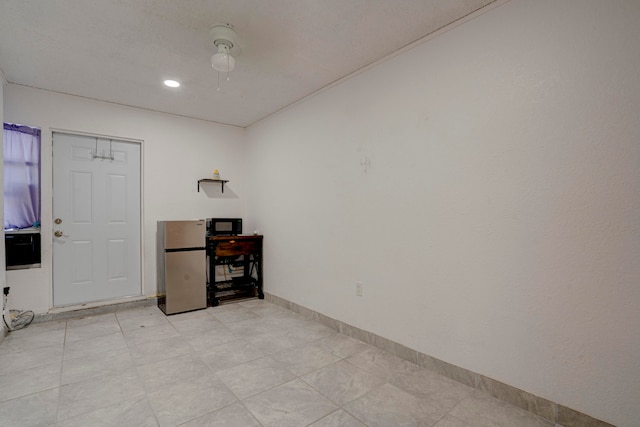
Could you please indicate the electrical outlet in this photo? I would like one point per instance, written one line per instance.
(359, 287)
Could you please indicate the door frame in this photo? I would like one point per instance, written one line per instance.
(49, 221)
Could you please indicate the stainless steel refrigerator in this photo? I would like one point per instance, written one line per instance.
(182, 266)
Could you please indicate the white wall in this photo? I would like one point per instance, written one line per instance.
(497, 225)
(176, 153)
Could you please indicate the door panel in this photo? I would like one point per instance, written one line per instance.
(82, 267)
(82, 184)
(96, 245)
(117, 259)
(117, 199)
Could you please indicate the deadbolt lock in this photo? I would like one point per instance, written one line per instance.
(58, 221)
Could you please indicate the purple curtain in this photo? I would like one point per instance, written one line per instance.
(21, 176)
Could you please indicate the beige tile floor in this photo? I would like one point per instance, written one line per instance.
(245, 364)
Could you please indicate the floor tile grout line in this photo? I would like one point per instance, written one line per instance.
(238, 400)
(29, 394)
(64, 347)
(373, 389)
(296, 377)
(339, 406)
(142, 383)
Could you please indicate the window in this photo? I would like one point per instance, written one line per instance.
(21, 176)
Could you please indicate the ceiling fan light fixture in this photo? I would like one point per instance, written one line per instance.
(224, 38)
(222, 60)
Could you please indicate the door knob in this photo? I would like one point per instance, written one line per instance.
(58, 233)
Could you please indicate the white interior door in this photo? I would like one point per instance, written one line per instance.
(96, 211)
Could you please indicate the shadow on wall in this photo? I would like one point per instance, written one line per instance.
(214, 190)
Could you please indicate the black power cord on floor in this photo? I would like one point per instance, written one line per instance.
(19, 319)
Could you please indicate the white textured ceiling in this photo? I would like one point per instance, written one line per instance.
(121, 50)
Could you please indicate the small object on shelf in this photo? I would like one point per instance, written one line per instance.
(221, 181)
(216, 174)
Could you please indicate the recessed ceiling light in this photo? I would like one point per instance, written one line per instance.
(171, 83)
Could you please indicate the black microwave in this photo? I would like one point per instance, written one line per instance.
(224, 226)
